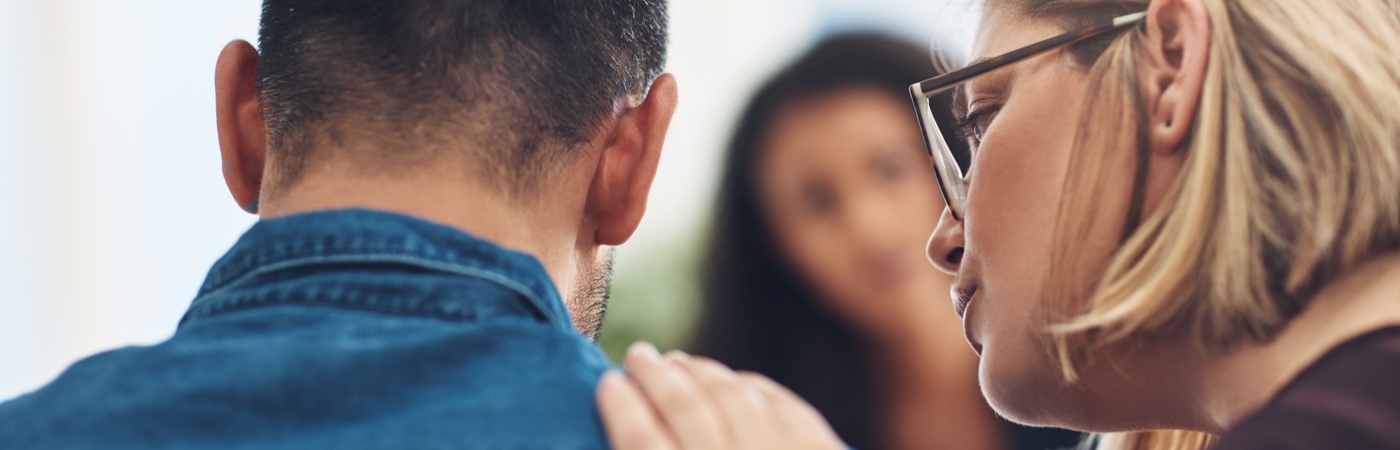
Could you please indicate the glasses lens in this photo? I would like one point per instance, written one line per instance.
(937, 119)
(942, 108)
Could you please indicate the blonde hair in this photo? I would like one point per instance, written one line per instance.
(1291, 177)
(1155, 440)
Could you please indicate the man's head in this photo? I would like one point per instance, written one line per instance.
(516, 85)
(536, 124)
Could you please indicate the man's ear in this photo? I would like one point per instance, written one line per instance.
(617, 197)
(242, 131)
(1174, 69)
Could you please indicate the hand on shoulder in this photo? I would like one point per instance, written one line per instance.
(679, 401)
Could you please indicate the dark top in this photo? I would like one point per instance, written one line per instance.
(1022, 437)
(340, 330)
(1349, 399)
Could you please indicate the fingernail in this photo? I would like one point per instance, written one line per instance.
(675, 362)
(756, 398)
(611, 380)
(643, 350)
(678, 359)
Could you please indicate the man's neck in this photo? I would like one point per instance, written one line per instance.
(1244, 381)
(541, 229)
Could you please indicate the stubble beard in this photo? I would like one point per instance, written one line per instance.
(588, 303)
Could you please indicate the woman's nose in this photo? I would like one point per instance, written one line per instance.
(945, 247)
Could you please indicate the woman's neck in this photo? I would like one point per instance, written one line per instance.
(1244, 381)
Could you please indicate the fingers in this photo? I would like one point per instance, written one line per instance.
(693, 403)
(628, 418)
(796, 416)
(742, 404)
(678, 399)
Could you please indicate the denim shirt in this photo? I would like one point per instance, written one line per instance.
(340, 330)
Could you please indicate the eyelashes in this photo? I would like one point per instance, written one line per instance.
(973, 126)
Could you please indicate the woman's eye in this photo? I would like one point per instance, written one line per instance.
(974, 126)
(979, 127)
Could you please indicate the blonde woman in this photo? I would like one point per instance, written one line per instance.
(1179, 215)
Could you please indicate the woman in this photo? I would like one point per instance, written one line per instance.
(815, 274)
(1189, 221)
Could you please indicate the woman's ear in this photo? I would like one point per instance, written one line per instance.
(1173, 69)
(242, 131)
(617, 196)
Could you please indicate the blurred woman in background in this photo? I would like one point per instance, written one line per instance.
(815, 274)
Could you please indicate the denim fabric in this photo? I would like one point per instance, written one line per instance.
(340, 330)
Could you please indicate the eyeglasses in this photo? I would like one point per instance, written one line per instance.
(951, 178)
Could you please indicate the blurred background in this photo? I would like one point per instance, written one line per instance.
(114, 206)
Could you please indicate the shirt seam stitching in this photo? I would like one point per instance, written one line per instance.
(490, 276)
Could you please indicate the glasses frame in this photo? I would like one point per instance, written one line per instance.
(950, 176)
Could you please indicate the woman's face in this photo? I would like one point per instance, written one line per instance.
(1001, 252)
(845, 184)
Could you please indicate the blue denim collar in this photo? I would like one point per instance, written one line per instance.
(325, 239)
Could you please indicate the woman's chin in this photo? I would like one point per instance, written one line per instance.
(1033, 398)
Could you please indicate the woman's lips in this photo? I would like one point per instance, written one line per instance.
(962, 299)
(976, 346)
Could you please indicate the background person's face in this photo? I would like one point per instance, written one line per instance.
(846, 187)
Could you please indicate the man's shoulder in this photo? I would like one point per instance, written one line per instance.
(338, 380)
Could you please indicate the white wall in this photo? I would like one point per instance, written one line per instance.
(112, 205)
(110, 189)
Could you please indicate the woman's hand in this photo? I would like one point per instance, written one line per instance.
(683, 402)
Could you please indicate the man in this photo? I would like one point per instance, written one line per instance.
(430, 175)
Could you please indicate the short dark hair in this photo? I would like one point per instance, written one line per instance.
(518, 83)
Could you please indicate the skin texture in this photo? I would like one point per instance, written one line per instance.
(595, 201)
(844, 183)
